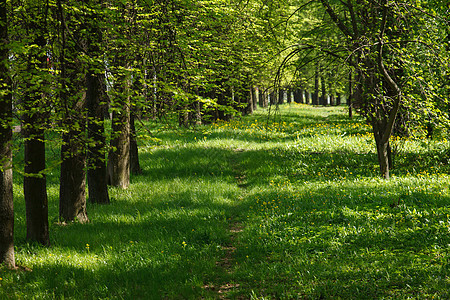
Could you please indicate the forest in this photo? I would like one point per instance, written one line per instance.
(259, 149)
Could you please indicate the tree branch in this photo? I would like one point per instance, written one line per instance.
(336, 19)
(392, 84)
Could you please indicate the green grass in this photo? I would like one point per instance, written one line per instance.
(317, 220)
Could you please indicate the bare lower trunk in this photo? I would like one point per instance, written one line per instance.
(383, 159)
(35, 187)
(6, 216)
(6, 186)
(119, 157)
(135, 167)
(72, 197)
(97, 171)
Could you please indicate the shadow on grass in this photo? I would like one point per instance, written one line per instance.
(327, 244)
(319, 226)
(157, 245)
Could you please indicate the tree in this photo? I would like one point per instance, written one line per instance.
(96, 99)
(72, 198)
(6, 185)
(382, 42)
(35, 115)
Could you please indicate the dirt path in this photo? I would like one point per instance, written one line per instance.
(228, 288)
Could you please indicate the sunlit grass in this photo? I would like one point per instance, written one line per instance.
(317, 220)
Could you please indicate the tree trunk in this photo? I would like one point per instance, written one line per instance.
(350, 95)
(315, 98)
(135, 167)
(323, 98)
(35, 185)
(281, 96)
(34, 121)
(96, 153)
(96, 102)
(119, 156)
(260, 97)
(383, 149)
(6, 185)
(330, 93)
(72, 190)
(255, 98)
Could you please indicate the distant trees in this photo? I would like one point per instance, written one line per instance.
(384, 46)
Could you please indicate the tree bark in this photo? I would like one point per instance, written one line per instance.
(315, 98)
(72, 191)
(119, 156)
(96, 101)
(135, 167)
(350, 94)
(34, 121)
(255, 99)
(96, 154)
(323, 97)
(35, 185)
(281, 96)
(6, 185)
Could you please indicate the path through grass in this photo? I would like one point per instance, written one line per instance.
(242, 210)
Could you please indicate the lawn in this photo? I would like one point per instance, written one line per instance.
(282, 208)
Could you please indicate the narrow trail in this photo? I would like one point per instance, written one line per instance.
(228, 287)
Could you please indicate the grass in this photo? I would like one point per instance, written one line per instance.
(314, 218)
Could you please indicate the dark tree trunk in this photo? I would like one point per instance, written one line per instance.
(255, 98)
(119, 156)
(307, 98)
(297, 96)
(323, 97)
(35, 185)
(72, 190)
(330, 93)
(273, 98)
(261, 97)
(135, 167)
(315, 98)
(96, 152)
(281, 97)
(383, 149)
(34, 121)
(198, 112)
(249, 108)
(96, 102)
(338, 99)
(350, 95)
(6, 185)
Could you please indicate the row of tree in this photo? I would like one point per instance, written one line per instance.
(65, 66)
(393, 53)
